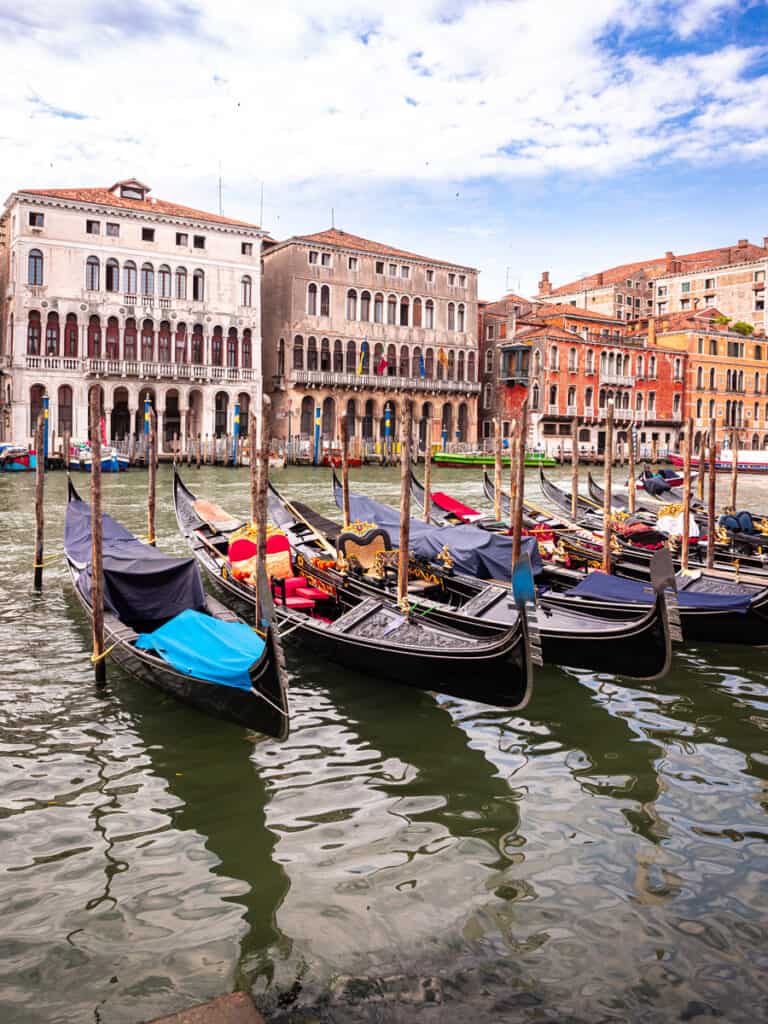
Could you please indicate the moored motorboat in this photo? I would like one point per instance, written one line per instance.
(162, 628)
(16, 458)
(80, 458)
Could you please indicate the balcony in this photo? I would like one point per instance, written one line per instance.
(50, 363)
(165, 371)
(553, 409)
(570, 410)
(617, 379)
(329, 379)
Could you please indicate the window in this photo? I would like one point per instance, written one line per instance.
(247, 349)
(311, 353)
(553, 360)
(164, 281)
(700, 377)
(70, 335)
(392, 309)
(620, 299)
(113, 230)
(197, 344)
(147, 279)
(246, 248)
(661, 290)
(198, 241)
(405, 272)
(365, 306)
(629, 284)
(182, 238)
(325, 259)
(713, 346)
(489, 360)
(709, 282)
(379, 266)
(312, 256)
(758, 351)
(451, 317)
(489, 331)
(246, 291)
(685, 287)
(487, 391)
(451, 280)
(685, 303)
(378, 308)
(129, 278)
(429, 314)
(35, 267)
(325, 301)
(312, 300)
(460, 317)
(417, 312)
(36, 220)
(147, 342)
(352, 262)
(147, 234)
(92, 274)
(351, 304)
(676, 405)
(430, 276)
(181, 283)
(651, 401)
(462, 280)
(112, 276)
(232, 347)
(198, 286)
(33, 334)
(393, 270)
(217, 347)
(92, 227)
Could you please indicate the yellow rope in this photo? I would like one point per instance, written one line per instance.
(95, 658)
(47, 561)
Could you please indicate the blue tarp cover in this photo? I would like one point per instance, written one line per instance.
(206, 648)
(616, 588)
(475, 552)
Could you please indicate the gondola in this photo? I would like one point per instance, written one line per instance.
(446, 511)
(368, 632)
(717, 606)
(633, 642)
(162, 628)
(640, 547)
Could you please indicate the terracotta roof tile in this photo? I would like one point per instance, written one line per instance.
(103, 197)
(343, 239)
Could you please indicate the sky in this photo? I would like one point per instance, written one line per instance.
(515, 136)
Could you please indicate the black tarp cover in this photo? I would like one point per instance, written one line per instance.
(142, 586)
(475, 552)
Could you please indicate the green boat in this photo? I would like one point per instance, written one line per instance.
(461, 459)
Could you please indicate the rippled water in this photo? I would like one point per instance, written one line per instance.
(599, 857)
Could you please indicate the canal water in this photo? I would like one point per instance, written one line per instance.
(600, 856)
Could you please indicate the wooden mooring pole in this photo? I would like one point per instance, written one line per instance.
(39, 502)
(734, 468)
(262, 487)
(632, 483)
(607, 485)
(497, 470)
(686, 537)
(345, 471)
(519, 497)
(151, 477)
(574, 468)
(711, 494)
(97, 543)
(405, 503)
(428, 472)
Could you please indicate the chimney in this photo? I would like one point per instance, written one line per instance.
(651, 331)
(669, 261)
(765, 241)
(545, 288)
(742, 243)
(599, 279)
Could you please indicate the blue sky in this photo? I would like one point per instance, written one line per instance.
(512, 136)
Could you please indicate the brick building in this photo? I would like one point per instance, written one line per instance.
(726, 372)
(353, 327)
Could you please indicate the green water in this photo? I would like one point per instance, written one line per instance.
(598, 857)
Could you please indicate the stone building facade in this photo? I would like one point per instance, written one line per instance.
(138, 295)
(726, 372)
(355, 328)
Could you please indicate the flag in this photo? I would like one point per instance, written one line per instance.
(382, 365)
(422, 368)
(363, 354)
(442, 357)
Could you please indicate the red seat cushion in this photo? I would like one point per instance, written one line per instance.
(292, 584)
(242, 549)
(312, 593)
(299, 604)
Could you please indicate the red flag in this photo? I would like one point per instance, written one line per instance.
(382, 365)
(103, 430)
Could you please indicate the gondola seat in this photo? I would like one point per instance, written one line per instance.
(287, 589)
(362, 544)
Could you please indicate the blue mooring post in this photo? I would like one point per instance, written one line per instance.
(46, 402)
(316, 456)
(444, 436)
(235, 433)
(147, 408)
(388, 431)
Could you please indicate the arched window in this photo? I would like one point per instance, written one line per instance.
(129, 278)
(217, 347)
(487, 396)
(198, 286)
(232, 346)
(379, 362)
(351, 304)
(325, 355)
(553, 358)
(147, 341)
(537, 363)
(338, 357)
(417, 312)
(311, 353)
(164, 342)
(247, 352)
(33, 334)
(147, 279)
(246, 290)
(113, 338)
(677, 366)
(280, 354)
(298, 352)
(307, 419)
(221, 412)
(64, 402)
(589, 394)
(416, 362)
(325, 300)
(573, 361)
(70, 336)
(392, 309)
(112, 276)
(94, 338)
(429, 363)
(700, 377)
(378, 308)
(429, 314)
(351, 357)
(451, 365)
(570, 399)
(712, 379)
(460, 368)
(451, 316)
(181, 282)
(405, 361)
(129, 339)
(181, 343)
(471, 367)
(52, 335)
(589, 361)
(92, 274)
(198, 345)
(639, 366)
(35, 267)
(391, 360)
(460, 318)
(404, 311)
(365, 306)
(312, 299)
(164, 281)
(652, 367)
(489, 360)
